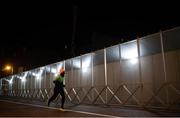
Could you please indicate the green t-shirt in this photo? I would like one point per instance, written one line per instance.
(59, 78)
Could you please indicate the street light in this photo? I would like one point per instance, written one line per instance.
(8, 68)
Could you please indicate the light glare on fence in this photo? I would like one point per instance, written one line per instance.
(133, 61)
(86, 63)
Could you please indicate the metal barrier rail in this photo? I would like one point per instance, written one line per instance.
(97, 95)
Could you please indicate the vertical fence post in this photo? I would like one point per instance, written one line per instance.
(105, 72)
(40, 79)
(92, 75)
(92, 69)
(139, 61)
(163, 57)
(164, 65)
(81, 69)
(50, 77)
(140, 73)
(45, 87)
(21, 84)
(31, 79)
(72, 80)
(119, 55)
(65, 71)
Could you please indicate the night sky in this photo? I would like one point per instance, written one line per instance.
(37, 34)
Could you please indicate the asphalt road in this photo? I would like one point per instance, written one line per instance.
(25, 108)
(13, 109)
